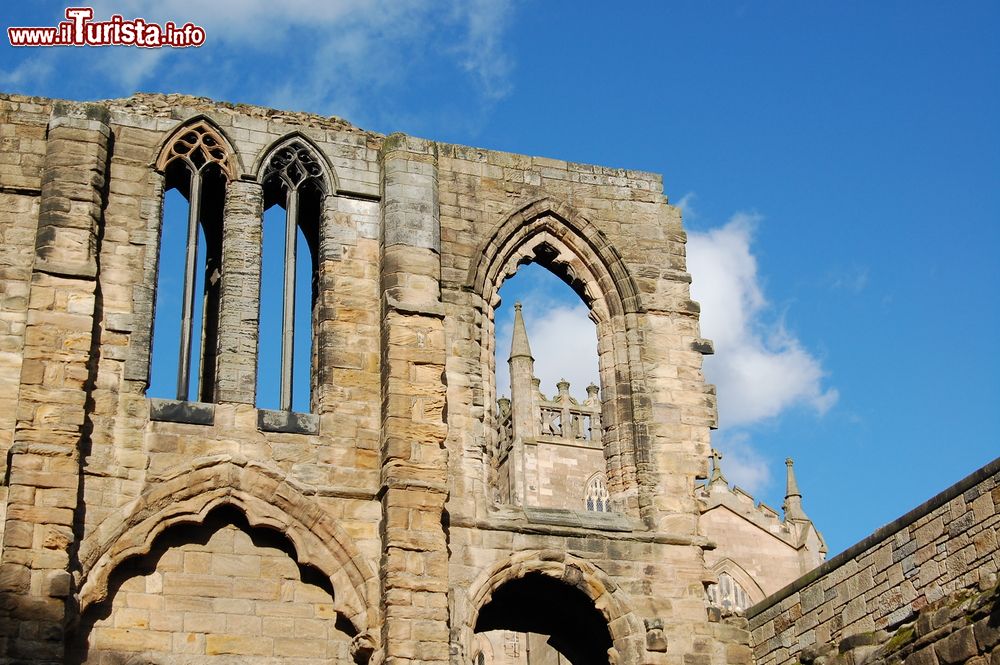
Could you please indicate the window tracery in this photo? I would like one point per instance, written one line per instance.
(728, 594)
(597, 499)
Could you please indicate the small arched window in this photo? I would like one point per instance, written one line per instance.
(597, 498)
(294, 179)
(728, 594)
(196, 165)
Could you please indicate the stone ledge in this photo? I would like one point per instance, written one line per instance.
(288, 422)
(178, 411)
(577, 518)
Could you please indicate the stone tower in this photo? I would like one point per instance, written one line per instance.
(405, 513)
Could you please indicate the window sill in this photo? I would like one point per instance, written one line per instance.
(287, 422)
(178, 411)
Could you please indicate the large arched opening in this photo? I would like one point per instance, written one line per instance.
(550, 437)
(537, 619)
(296, 180)
(197, 164)
(554, 236)
(547, 599)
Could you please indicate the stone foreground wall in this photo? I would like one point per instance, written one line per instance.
(961, 627)
(941, 548)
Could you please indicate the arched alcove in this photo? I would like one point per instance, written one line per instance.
(219, 588)
(265, 498)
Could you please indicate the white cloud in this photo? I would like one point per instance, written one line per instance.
(853, 279)
(130, 66)
(686, 204)
(563, 343)
(483, 54)
(36, 68)
(760, 368)
(335, 52)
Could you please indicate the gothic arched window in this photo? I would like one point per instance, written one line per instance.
(196, 165)
(295, 180)
(728, 594)
(597, 498)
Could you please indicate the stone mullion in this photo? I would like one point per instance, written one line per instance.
(414, 459)
(239, 311)
(56, 377)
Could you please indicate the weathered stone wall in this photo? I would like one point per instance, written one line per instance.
(557, 473)
(945, 546)
(22, 149)
(960, 627)
(384, 488)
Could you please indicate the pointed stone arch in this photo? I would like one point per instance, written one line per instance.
(288, 140)
(197, 159)
(552, 233)
(266, 498)
(207, 133)
(589, 254)
(610, 600)
(741, 577)
(295, 174)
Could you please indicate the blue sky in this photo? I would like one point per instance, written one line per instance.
(837, 163)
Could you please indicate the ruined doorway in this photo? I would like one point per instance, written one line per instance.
(539, 620)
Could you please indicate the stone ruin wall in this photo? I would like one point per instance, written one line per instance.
(922, 589)
(381, 495)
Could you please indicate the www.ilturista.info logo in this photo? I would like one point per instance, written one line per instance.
(80, 30)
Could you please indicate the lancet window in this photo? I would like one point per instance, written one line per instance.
(597, 498)
(196, 164)
(728, 594)
(295, 180)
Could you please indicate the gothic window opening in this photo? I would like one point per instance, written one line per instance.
(548, 411)
(728, 594)
(597, 498)
(294, 184)
(196, 166)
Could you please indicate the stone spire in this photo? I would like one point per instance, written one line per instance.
(523, 398)
(519, 346)
(793, 498)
